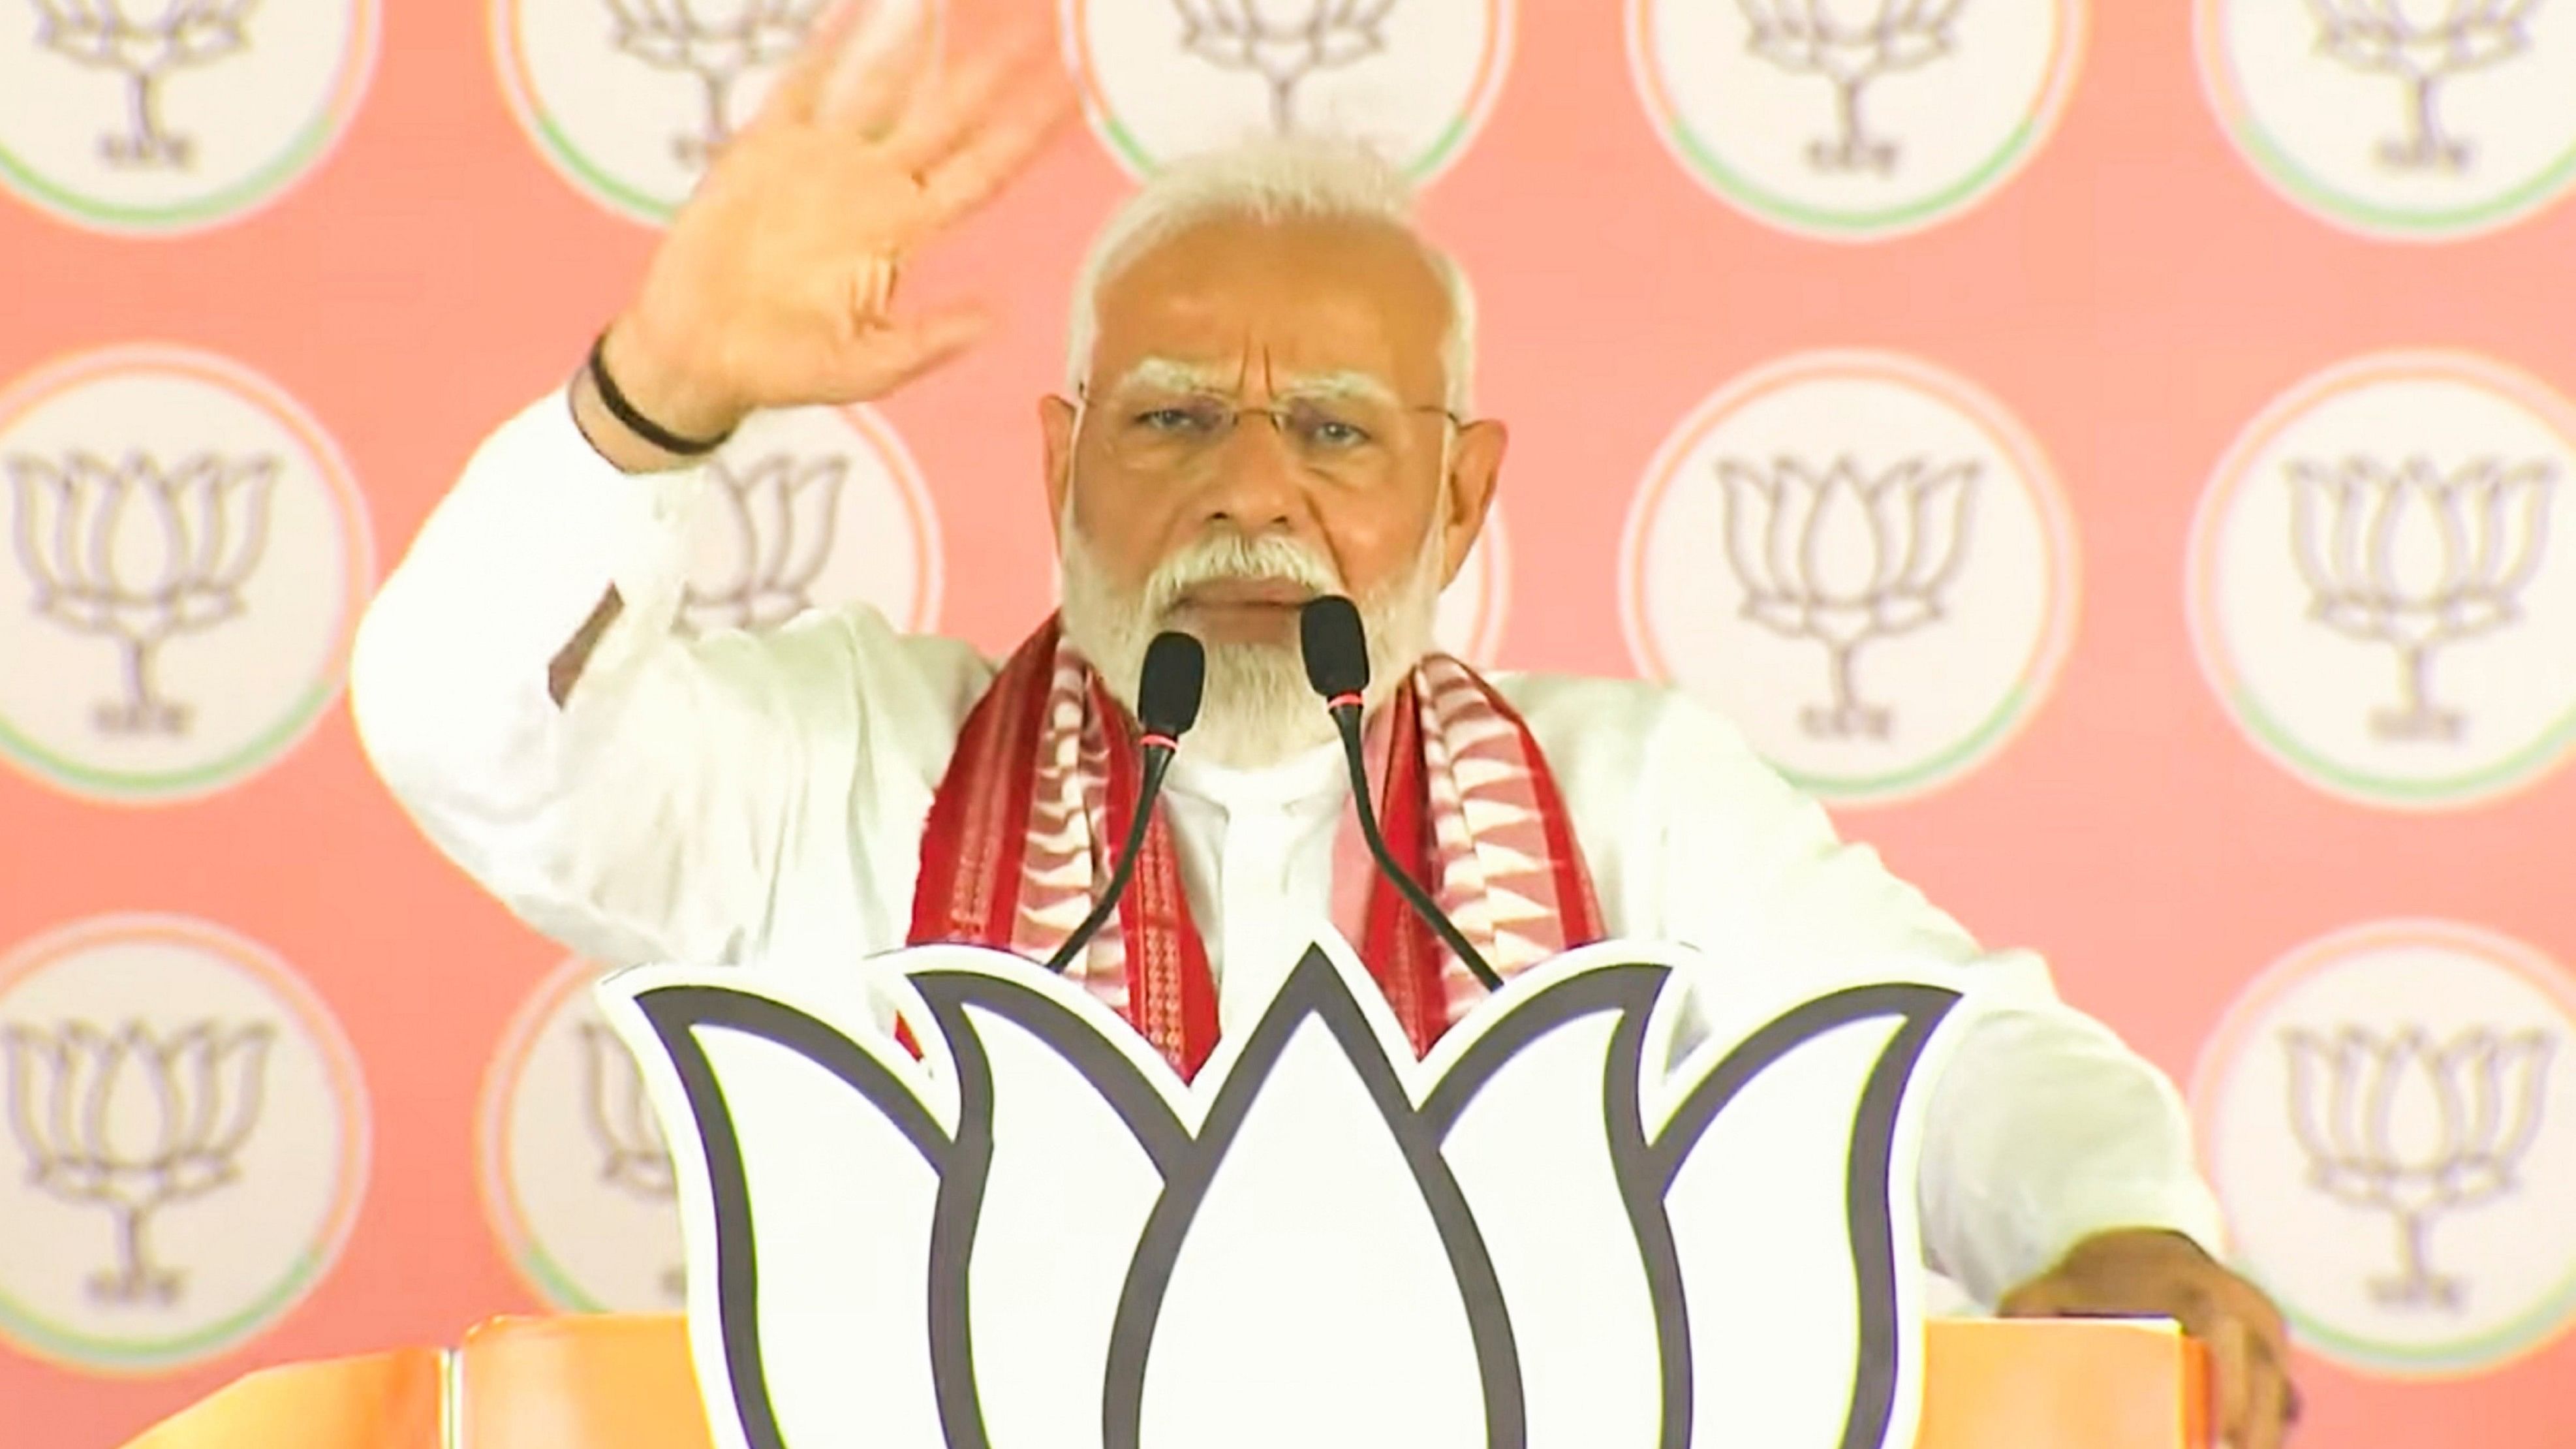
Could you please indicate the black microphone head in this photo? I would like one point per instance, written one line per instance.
(1336, 647)
(1167, 696)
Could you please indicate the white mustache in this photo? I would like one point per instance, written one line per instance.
(1229, 557)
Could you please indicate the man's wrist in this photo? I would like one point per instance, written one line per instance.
(645, 391)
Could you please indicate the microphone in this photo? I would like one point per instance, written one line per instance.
(1337, 665)
(1167, 704)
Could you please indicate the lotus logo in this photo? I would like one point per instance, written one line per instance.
(2423, 119)
(1038, 1235)
(140, 554)
(1853, 119)
(2413, 559)
(1830, 555)
(133, 1123)
(2385, 1125)
(2416, 1129)
(1851, 45)
(1930, 572)
(633, 1157)
(631, 100)
(776, 515)
(1161, 79)
(577, 1183)
(2423, 45)
(2373, 591)
(174, 1178)
(1283, 45)
(713, 44)
(810, 508)
(167, 36)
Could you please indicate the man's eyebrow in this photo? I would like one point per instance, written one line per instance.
(1171, 374)
(1343, 383)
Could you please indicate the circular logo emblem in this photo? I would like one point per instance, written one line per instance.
(185, 1148)
(576, 1178)
(1862, 561)
(806, 508)
(1470, 623)
(172, 117)
(2389, 1116)
(190, 557)
(1854, 119)
(2405, 120)
(629, 100)
(2373, 591)
(1164, 78)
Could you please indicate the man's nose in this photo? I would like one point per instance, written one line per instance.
(1257, 483)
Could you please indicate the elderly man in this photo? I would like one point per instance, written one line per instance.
(1269, 401)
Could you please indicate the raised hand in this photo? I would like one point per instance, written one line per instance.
(775, 285)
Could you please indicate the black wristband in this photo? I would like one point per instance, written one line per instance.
(638, 424)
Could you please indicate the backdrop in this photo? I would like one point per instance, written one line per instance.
(2109, 455)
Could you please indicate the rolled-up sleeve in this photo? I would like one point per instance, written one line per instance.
(689, 794)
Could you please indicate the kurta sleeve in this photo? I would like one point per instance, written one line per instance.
(2043, 1127)
(689, 790)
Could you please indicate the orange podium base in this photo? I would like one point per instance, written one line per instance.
(611, 1381)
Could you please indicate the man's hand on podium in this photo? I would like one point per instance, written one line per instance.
(2137, 1272)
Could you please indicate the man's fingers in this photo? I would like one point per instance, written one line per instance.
(2256, 1399)
(799, 87)
(991, 156)
(2041, 1298)
(892, 354)
(2267, 1401)
(880, 71)
(978, 87)
(2228, 1361)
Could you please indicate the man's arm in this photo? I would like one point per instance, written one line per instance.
(2043, 1129)
(517, 681)
(629, 452)
(518, 685)
(2057, 1175)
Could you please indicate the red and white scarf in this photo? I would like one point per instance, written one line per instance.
(1044, 782)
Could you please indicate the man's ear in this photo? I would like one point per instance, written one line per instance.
(1056, 428)
(1475, 467)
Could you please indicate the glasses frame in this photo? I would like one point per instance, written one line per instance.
(1278, 417)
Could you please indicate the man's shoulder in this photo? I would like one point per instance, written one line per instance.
(1624, 722)
(1554, 702)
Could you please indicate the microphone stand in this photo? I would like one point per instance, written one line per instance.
(1346, 714)
(1335, 645)
(1158, 758)
(1167, 704)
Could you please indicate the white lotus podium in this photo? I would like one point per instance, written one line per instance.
(1573, 1224)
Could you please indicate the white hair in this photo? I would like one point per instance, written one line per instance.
(1267, 180)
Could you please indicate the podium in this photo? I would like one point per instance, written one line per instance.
(1565, 1225)
(609, 1381)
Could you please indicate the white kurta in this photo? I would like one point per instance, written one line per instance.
(741, 798)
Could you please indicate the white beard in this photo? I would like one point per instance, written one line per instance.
(1258, 709)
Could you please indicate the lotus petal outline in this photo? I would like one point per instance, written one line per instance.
(1036, 1234)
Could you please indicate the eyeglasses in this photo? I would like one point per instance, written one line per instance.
(1350, 438)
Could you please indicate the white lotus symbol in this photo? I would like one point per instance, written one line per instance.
(1535, 1237)
(775, 526)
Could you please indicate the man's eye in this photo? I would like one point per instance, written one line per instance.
(1170, 420)
(1334, 433)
